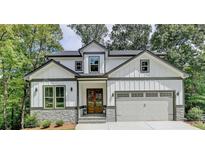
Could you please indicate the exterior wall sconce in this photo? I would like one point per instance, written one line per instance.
(177, 93)
(113, 94)
(71, 89)
(36, 89)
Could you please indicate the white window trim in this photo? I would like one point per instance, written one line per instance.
(148, 65)
(94, 72)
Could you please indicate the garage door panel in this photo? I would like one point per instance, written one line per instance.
(129, 110)
(138, 108)
(156, 110)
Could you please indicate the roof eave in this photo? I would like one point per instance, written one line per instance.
(184, 75)
(27, 76)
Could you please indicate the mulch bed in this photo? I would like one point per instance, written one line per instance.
(66, 126)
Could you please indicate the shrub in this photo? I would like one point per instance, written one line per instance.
(194, 114)
(200, 125)
(45, 124)
(30, 121)
(59, 123)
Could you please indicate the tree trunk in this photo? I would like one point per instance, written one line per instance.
(23, 105)
(5, 99)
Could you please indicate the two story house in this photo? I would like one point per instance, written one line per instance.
(94, 84)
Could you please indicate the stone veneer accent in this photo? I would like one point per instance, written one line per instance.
(179, 112)
(110, 113)
(67, 115)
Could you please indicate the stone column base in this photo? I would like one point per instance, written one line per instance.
(179, 112)
(110, 114)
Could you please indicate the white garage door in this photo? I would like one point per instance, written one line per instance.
(144, 106)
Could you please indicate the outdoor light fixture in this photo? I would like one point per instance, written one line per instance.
(36, 89)
(112, 94)
(71, 89)
(177, 93)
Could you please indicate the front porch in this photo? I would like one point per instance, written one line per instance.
(92, 100)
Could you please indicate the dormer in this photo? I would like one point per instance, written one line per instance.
(93, 58)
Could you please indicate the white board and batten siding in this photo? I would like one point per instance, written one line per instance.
(144, 85)
(68, 61)
(158, 69)
(86, 63)
(37, 96)
(112, 62)
(52, 71)
(93, 47)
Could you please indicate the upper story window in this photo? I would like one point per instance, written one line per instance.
(144, 66)
(94, 62)
(78, 66)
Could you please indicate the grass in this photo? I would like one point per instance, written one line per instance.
(66, 126)
(199, 125)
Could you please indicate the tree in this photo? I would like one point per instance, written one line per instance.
(89, 32)
(22, 49)
(11, 58)
(184, 45)
(134, 36)
(39, 40)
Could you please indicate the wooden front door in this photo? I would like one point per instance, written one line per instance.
(94, 101)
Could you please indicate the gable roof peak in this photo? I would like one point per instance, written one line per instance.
(185, 75)
(93, 41)
(26, 76)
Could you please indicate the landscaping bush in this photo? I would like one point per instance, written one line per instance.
(194, 114)
(199, 125)
(45, 124)
(59, 123)
(31, 121)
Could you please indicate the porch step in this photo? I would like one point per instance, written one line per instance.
(92, 119)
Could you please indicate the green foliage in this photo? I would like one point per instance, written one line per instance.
(185, 48)
(22, 49)
(31, 121)
(132, 36)
(59, 123)
(45, 124)
(90, 32)
(194, 114)
(200, 125)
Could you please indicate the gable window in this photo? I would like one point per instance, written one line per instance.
(94, 62)
(78, 66)
(144, 66)
(54, 97)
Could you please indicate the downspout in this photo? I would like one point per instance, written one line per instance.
(77, 101)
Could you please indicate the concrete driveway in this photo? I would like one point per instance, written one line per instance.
(139, 125)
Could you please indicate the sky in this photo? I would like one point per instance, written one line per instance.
(72, 41)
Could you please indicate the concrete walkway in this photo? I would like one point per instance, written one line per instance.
(139, 125)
